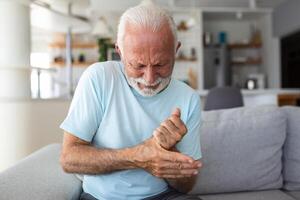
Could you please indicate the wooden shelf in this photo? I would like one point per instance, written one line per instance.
(247, 62)
(288, 99)
(74, 45)
(74, 64)
(186, 59)
(244, 46)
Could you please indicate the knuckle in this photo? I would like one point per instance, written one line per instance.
(158, 130)
(165, 146)
(177, 136)
(158, 167)
(169, 122)
(172, 118)
(184, 129)
(158, 173)
(178, 165)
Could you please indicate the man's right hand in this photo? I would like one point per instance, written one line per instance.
(170, 131)
(162, 163)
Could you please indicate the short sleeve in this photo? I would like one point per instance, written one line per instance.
(190, 144)
(85, 112)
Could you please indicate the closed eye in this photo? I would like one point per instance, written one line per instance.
(158, 65)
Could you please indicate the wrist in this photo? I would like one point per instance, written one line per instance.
(137, 153)
(127, 156)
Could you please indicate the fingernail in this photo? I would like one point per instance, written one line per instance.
(199, 165)
(195, 172)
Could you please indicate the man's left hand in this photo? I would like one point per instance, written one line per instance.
(171, 131)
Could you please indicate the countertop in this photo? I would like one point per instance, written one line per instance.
(272, 91)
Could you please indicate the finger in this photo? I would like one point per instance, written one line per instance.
(159, 137)
(172, 129)
(198, 163)
(189, 172)
(171, 137)
(162, 139)
(176, 157)
(176, 112)
(178, 123)
(175, 176)
(178, 166)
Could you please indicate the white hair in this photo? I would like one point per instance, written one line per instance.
(146, 15)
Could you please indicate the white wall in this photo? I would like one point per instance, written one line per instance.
(26, 126)
(237, 30)
(286, 18)
(271, 53)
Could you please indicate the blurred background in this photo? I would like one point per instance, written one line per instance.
(45, 46)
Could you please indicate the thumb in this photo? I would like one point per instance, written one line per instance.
(176, 112)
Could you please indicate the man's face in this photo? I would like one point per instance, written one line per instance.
(148, 58)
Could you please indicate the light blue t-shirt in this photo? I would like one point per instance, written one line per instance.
(107, 112)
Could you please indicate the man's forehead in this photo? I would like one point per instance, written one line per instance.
(148, 42)
(138, 32)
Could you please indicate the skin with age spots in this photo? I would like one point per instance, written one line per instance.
(171, 131)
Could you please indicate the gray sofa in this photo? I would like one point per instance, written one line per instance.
(250, 153)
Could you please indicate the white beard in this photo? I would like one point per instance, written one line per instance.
(147, 91)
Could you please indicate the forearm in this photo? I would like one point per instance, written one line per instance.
(87, 159)
(79, 156)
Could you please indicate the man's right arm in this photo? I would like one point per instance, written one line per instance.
(79, 156)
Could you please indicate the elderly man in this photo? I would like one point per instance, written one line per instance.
(132, 129)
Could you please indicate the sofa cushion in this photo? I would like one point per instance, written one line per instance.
(291, 150)
(39, 176)
(261, 195)
(294, 194)
(242, 150)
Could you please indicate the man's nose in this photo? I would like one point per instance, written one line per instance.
(150, 75)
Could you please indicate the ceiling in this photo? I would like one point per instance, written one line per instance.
(92, 9)
(104, 5)
(230, 3)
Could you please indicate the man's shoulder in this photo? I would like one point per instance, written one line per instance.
(104, 71)
(101, 67)
(183, 89)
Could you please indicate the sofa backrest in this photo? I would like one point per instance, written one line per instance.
(242, 150)
(291, 157)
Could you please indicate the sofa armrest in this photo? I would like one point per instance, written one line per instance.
(39, 176)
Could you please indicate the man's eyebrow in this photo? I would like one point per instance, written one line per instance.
(135, 63)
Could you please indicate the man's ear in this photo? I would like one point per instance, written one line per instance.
(178, 46)
(118, 49)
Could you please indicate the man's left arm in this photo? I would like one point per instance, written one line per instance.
(167, 135)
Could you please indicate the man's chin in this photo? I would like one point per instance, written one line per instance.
(147, 92)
